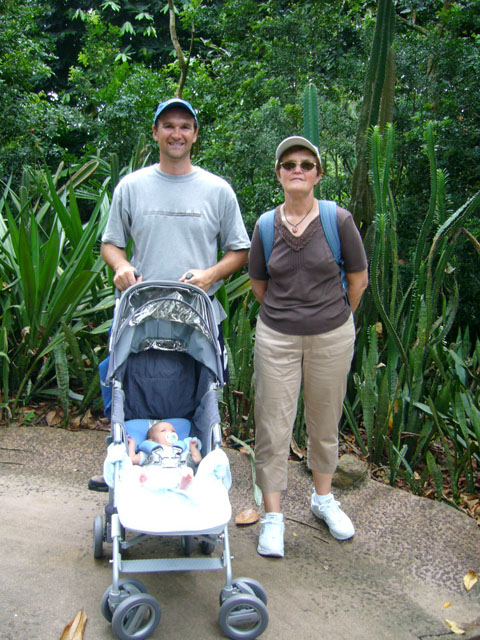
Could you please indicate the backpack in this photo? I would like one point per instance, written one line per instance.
(328, 217)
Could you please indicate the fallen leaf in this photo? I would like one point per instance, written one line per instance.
(248, 516)
(454, 627)
(88, 420)
(446, 605)
(296, 450)
(75, 423)
(471, 500)
(76, 627)
(469, 579)
(52, 418)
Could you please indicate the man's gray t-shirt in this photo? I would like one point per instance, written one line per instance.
(176, 222)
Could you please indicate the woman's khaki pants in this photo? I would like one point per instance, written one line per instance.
(282, 363)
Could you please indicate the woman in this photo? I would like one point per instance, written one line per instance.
(305, 334)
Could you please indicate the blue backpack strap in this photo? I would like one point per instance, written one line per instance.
(328, 216)
(266, 229)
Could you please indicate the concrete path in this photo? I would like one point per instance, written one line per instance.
(390, 582)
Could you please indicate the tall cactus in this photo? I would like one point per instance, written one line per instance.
(311, 127)
(310, 114)
(361, 203)
(386, 106)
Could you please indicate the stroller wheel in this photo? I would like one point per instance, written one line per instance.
(98, 537)
(127, 588)
(241, 586)
(187, 545)
(243, 617)
(254, 585)
(136, 617)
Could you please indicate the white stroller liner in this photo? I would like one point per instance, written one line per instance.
(153, 322)
(147, 507)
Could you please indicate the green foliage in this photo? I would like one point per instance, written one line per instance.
(138, 27)
(61, 370)
(48, 263)
(437, 80)
(257, 494)
(375, 82)
(239, 338)
(414, 390)
(25, 58)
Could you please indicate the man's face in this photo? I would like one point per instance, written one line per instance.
(175, 133)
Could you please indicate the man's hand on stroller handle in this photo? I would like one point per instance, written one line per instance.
(126, 275)
(201, 278)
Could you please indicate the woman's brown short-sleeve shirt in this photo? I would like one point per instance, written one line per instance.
(305, 295)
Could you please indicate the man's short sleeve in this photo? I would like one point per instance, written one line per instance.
(233, 234)
(117, 230)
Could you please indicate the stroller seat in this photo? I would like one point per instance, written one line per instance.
(203, 507)
(154, 510)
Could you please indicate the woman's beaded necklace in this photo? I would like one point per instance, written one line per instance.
(295, 226)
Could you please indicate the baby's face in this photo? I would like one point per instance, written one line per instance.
(165, 434)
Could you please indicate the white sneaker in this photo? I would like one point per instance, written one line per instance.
(338, 522)
(270, 541)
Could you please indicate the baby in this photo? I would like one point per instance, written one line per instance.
(164, 435)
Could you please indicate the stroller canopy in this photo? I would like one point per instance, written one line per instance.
(164, 315)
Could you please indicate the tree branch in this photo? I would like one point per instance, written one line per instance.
(178, 50)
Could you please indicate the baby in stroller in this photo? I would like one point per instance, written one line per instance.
(164, 367)
(178, 459)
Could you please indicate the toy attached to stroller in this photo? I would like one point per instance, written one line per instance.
(165, 365)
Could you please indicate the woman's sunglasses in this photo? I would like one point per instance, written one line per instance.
(290, 165)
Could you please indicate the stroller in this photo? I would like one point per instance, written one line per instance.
(165, 364)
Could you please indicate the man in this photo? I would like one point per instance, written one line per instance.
(177, 214)
(178, 217)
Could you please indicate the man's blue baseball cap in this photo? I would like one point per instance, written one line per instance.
(175, 102)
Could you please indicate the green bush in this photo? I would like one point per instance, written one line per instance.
(52, 277)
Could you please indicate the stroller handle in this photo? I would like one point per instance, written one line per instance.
(118, 293)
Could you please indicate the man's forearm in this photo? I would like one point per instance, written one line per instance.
(124, 272)
(232, 261)
(113, 256)
(205, 278)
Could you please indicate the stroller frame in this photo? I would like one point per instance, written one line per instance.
(134, 613)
